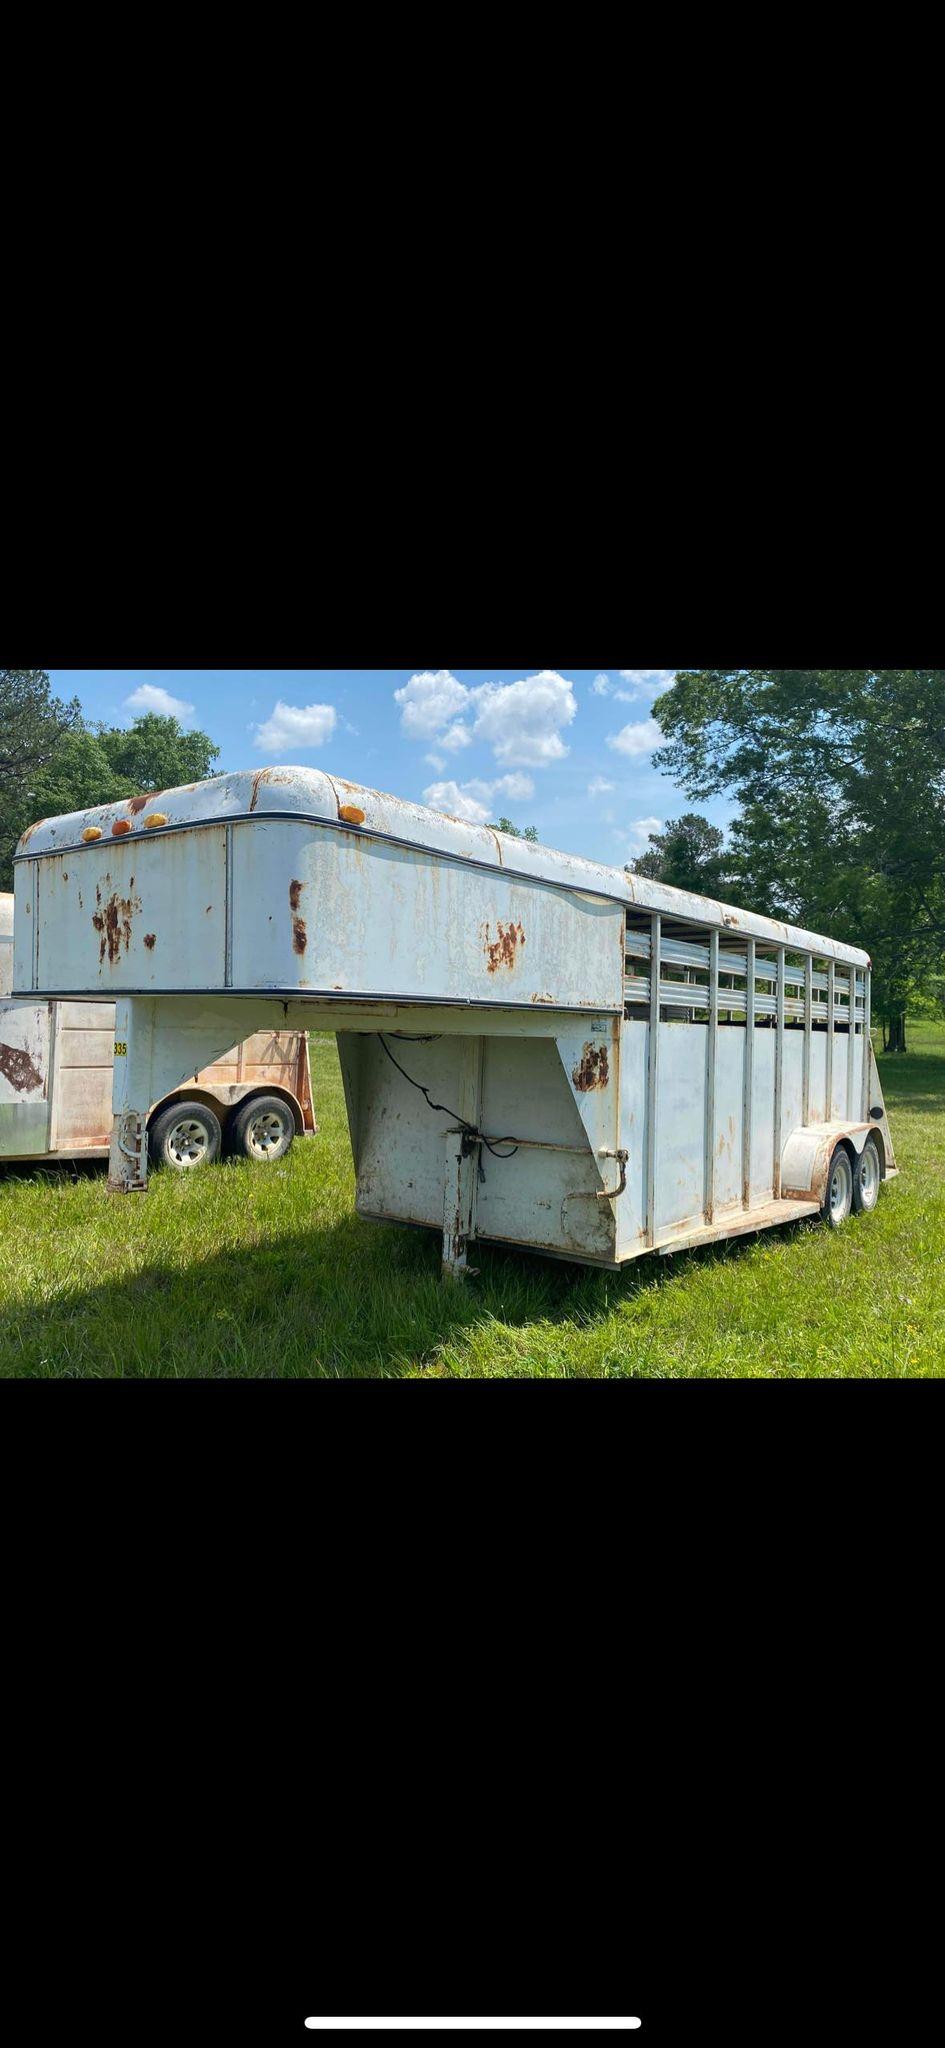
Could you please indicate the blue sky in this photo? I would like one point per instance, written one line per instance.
(569, 751)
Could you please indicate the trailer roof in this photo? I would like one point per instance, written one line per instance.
(321, 799)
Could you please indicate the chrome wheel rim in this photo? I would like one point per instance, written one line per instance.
(266, 1135)
(841, 1189)
(868, 1176)
(188, 1144)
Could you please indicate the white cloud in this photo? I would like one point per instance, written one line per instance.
(518, 787)
(455, 738)
(150, 697)
(522, 721)
(640, 832)
(474, 801)
(435, 761)
(447, 796)
(646, 682)
(296, 727)
(636, 739)
(600, 786)
(601, 686)
(429, 702)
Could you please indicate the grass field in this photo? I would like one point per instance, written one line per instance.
(268, 1273)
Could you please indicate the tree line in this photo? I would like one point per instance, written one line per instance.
(839, 779)
(52, 761)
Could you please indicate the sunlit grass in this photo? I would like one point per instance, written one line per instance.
(268, 1273)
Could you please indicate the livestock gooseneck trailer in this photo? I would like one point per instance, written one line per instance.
(535, 1050)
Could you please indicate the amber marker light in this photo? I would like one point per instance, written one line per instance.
(155, 821)
(351, 815)
(91, 832)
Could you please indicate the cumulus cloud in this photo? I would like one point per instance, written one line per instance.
(600, 687)
(458, 803)
(475, 800)
(522, 722)
(429, 702)
(455, 738)
(645, 682)
(296, 727)
(640, 832)
(636, 739)
(518, 787)
(150, 697)
(435, 761)
(600, 786)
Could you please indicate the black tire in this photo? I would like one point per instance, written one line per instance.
(867, 1178)
(838, 1199)
(185, 1136)
(263, 1130)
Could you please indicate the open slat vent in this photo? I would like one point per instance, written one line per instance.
(685, 976)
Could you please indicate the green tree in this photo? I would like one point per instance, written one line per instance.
(840, 779)
(687, 854)
(51, 763)
(156, 753)
(34, 725)
(512, 831)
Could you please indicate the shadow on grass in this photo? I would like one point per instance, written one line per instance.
(912, 1080)
(348, 1301)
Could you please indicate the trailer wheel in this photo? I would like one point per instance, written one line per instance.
(838, 1200)
(867, 1175)
(184, 1136)
(263, 1130)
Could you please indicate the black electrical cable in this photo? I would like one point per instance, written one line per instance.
(442, 1110)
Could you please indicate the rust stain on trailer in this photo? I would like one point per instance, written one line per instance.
(139, 803)
(502, 951)
(150, 941)
(19, 1069)
(593, 1068)
(543, 999)
(299, 929)
(112, 921)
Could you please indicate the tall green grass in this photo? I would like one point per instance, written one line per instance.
(267, 1273)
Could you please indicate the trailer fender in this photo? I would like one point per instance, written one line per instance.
(806, 1158)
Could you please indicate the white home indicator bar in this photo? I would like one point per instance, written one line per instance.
(469, 2026)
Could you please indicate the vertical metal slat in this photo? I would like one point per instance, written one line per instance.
(779, 1077)
(851, 1048)
(808, 1032)
(867, 1041)
(831, 1027)
(652, 1077)
(711, 1060)
(748, 1100)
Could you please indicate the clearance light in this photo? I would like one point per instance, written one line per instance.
(91, 832)
(156, 820)
(351, 814)
(120, 827)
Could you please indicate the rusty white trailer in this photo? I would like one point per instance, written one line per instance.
(536, 1050)
(57, 1082)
